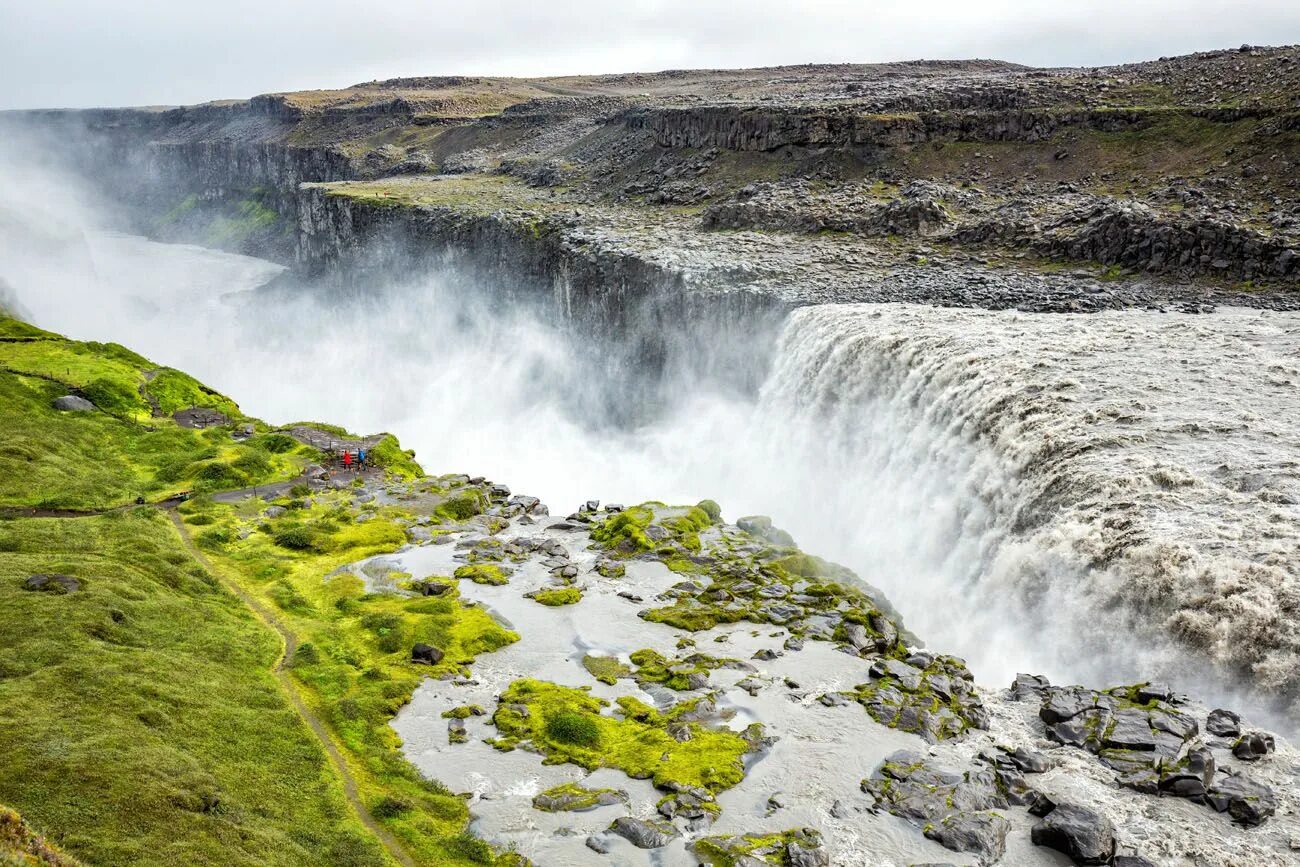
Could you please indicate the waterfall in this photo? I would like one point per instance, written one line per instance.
(1106, 498)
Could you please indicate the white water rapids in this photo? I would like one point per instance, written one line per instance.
(1098, 498)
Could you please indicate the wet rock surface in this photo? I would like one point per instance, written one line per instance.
(727, 622)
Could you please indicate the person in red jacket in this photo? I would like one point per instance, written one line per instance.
(347, 460)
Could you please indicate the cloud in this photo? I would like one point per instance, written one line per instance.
(86, 52)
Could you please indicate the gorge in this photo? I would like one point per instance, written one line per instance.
(1044, 407)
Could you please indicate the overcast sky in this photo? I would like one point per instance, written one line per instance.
(152, 52)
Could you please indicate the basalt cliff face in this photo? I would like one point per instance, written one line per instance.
(973, 183)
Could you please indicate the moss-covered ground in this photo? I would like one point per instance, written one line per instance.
(21, 846)
(111, 457)
(140, 720)
(354, 661)
(569, 725)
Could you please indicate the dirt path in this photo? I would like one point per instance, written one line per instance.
(290, 640)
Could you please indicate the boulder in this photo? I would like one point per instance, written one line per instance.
(806, 850)
(1085, 836)
(52, 583)
(984, 834)
(1245, 800)
(1253, 746)
(426, 654)
(1028, 687)
(644, 834)
(73, 403)
(433, 588)
(760, 527)
(1223, 723)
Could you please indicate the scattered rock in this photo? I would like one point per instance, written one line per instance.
(58, 584)
(426, 654)
(73, 403)
(1085, 836)
(643, 834)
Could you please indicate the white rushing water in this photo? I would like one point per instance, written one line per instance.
(1087, 497)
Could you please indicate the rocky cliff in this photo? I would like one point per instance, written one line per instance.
(1168, 180)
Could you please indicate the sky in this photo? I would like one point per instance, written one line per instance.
(78, 53)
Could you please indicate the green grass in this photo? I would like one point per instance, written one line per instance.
(95, 460)
(355, 658)
(140, 721)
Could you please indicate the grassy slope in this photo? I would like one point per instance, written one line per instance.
(140, 720)
(354, 661)
(95, 460)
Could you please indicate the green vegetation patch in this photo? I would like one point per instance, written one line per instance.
(96, 460)
(654, 527)
(140, 718)
(606, 669)
(358, 670)
(778, 849)
(690, 672)
(556, 596)
(574, 798)
(173, 391)
(483, 573)
(567, 725)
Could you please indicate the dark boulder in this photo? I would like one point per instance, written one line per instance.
(1253, 746)
(1027, 687)
(1192, 777)
(644, 835)
(1245, 800)
(1085, 836)
(1223, 723)
(426, 654)
(52, 584)
(983, 834)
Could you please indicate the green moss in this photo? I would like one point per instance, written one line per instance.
(638, 744)
(463, 505)
(140, 719)
(557, 596)
(653, 667)
(624, 533)
(574, 798)
(727, 851)
(606, 669)
(483, 573)
(464, 711)
(711, 509)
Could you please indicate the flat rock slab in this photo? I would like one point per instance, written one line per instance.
(52, 583)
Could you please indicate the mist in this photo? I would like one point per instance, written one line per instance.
(877, 437)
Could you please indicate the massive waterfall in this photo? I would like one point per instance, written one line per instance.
(1097, 498)
(1103, 497)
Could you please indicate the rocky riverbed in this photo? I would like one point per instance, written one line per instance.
(854, 744)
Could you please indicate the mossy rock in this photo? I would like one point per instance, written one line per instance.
(574, 798)
(484, 573)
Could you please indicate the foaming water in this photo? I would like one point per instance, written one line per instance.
(1087, 497)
